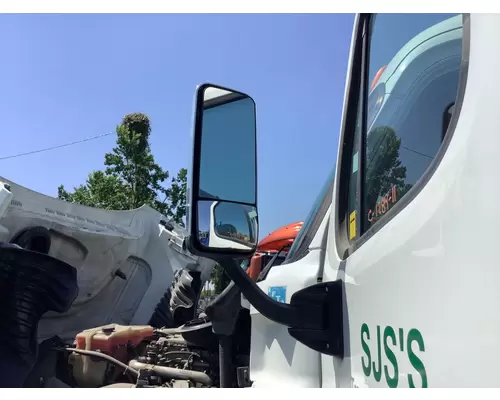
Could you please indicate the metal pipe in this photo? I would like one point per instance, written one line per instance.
(103, 356)
(173, 373)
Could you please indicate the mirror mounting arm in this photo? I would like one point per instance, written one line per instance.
(314, 316)
(281, 313)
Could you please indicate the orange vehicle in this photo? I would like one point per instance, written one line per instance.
(273, 247)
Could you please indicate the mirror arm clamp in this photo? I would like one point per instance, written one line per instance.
(326, 299)
(314, 316)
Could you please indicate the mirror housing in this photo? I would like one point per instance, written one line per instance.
(222, 218)
(222, 204)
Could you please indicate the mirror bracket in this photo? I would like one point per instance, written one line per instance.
(328, 338)
(314, 316)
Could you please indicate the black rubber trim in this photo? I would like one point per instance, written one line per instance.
(348, 126)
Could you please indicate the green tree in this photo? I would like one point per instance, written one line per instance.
(132, 178)
(100, 191)
(176, 197)
(206, 293)
(384, 168)
(219, 279)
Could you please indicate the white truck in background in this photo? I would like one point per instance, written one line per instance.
(125, 260)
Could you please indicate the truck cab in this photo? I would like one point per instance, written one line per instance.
(392, 273)
(389, 258)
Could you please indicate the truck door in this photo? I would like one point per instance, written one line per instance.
(403, 100)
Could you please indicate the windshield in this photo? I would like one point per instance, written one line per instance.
(311, 224)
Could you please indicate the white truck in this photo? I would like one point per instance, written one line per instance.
(388, 280)
(129, 264)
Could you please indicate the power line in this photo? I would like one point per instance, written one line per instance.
(417, 152)
(55, 147)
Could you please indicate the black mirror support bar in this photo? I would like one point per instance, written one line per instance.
(313, 317)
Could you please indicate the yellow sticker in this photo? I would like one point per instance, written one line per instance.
(352, 225)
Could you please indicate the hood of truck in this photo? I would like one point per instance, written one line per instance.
(125, 260)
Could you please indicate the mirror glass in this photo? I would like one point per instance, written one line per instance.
(225, 225)
(227, 159)
(225, 194)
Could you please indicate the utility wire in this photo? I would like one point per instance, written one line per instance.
(417, 152)
(107, 134)
(55, 147)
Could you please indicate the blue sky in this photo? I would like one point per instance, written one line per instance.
(69, 77)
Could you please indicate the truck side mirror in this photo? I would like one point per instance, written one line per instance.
(223, 223)
(222, 212)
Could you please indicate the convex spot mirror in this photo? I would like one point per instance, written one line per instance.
(222, 214)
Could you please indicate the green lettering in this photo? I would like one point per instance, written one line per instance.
(377, 373)
(392, 382)
(367, 368)
(415, 336)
